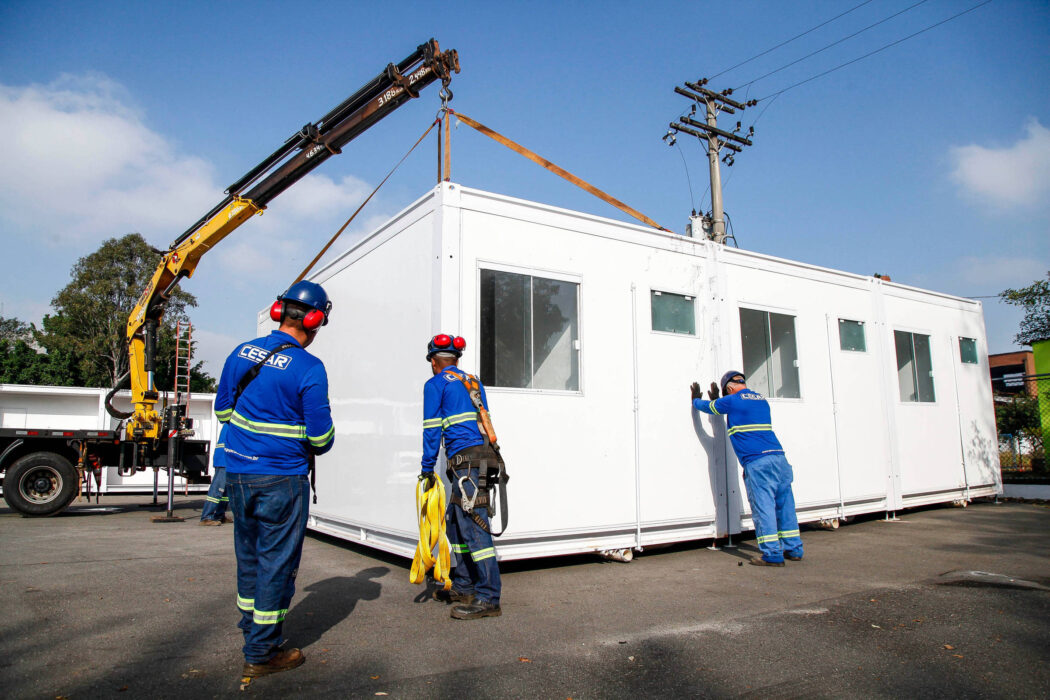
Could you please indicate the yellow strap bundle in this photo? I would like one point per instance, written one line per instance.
(430, 509)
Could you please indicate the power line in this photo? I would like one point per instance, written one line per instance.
(689, 180)
(834, 43)
(768, 105)
(872, 53)
(797, 36)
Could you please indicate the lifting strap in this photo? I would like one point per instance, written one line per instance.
(500, 138)
(369, 197)
(430, 509)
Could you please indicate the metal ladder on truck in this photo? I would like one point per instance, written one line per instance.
(183, 361)
(183, 364)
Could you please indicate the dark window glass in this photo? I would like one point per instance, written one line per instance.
(968, 350)
(770, 353)
(914, 367)
(673, 313)
(851, 335)
(529, 332)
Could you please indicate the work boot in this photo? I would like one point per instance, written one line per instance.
(473, 611)
(210, 523)
(793, 557)
(227, 519)
(453, 596)
(759, 561)
(281, 661)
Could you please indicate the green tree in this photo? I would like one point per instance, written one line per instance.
(13, 329)
(86, 333)
(1035, 300)
(23, 361)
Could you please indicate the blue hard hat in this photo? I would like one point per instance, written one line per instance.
(729, 375)
(309, 294)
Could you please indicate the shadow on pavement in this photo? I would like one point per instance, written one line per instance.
(329, 602)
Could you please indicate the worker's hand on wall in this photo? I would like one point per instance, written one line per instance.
(713, 391)
(695, 391)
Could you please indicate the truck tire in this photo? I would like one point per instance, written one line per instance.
(40, 484)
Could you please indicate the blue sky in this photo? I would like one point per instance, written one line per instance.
(929, 161)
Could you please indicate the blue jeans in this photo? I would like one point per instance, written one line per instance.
(216, 502)
(476, 570)
(768, 481)
(270, 513)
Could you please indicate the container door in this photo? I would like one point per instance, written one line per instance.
(978, 444)
(680, 477)
(862, 449)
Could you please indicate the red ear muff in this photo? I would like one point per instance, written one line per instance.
(442, 341)
(458, 343)
(276, 310)
(313, 320)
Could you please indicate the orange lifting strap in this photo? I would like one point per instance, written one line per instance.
(445, 171)
(557, 171)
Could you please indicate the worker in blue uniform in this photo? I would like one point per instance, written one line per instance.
(450, 416)
(767, 474)
(216, 502)
(274, 396)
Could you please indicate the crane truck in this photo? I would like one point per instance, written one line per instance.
(43, 469)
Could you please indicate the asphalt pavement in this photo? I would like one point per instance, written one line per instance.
(945, 602)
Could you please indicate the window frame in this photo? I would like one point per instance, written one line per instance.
(533, 272)
(696, 324)
(797, 364)
(912, 332)
(976, 353)
(864, 334)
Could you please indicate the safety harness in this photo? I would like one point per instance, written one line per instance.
(250, 375)
(492, 471)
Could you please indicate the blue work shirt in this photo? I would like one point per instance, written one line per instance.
(748, 423)
(449, 414)
(219, 458)
(283, 415)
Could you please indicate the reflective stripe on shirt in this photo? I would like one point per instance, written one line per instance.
(750, 428)
(295, 432)
(322, 440)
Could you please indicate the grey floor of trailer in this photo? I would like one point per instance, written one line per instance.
(99, 602)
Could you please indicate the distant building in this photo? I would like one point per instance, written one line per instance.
(1009, 369)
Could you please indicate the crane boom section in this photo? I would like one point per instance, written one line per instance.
(299, 155)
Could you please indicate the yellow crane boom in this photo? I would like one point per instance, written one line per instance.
(300, 154)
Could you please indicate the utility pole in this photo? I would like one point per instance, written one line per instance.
(717, 139)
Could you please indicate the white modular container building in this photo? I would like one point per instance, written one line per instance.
(80, 408)
(587, 333)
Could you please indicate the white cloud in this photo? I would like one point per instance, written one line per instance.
(81, 165)
(1008, 176)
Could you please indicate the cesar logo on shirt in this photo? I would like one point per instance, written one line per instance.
(277, 361)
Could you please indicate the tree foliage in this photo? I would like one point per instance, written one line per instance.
(83, 340)
(1035, 300)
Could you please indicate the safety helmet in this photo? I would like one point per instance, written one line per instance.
(729, 375)
(310, 295)
(445, 343)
